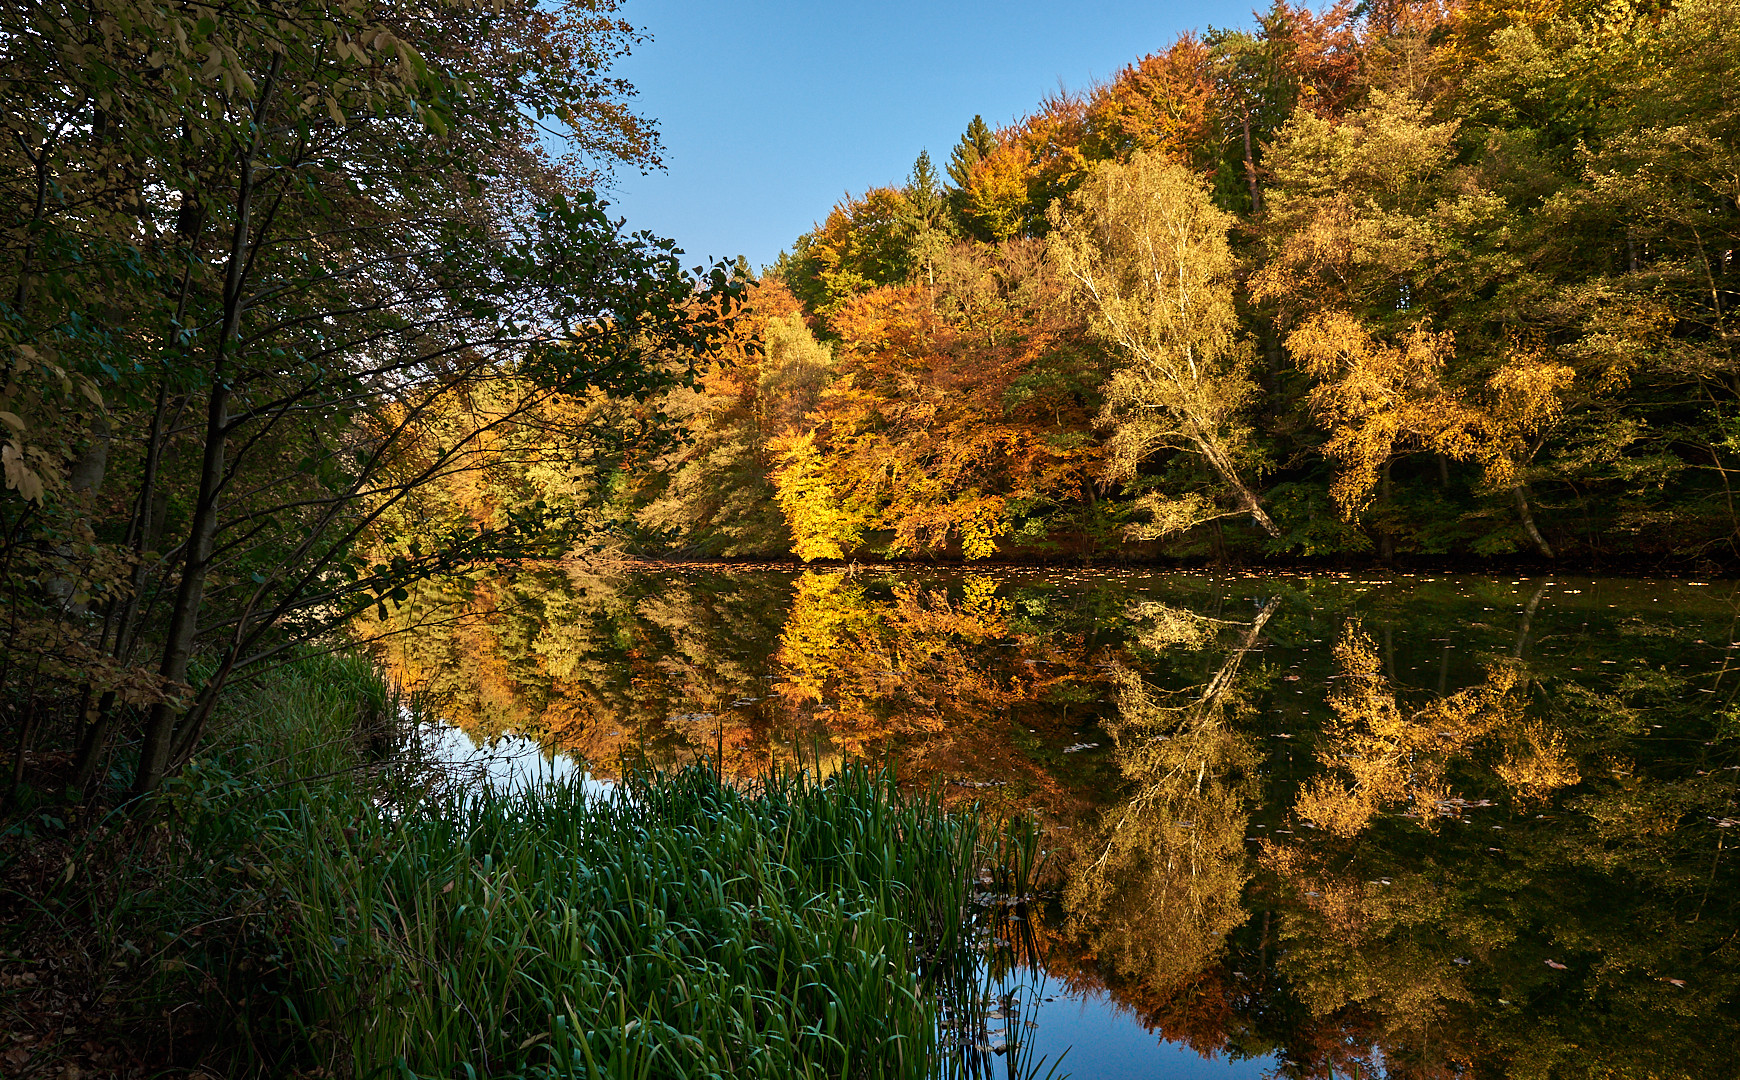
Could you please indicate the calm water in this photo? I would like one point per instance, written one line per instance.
(1299, 826)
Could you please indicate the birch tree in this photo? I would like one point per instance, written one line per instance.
(1146, 252)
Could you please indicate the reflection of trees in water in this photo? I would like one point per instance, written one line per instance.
(1420, 952)
(1156, 890)
(912, 665)
(605, 667)
(754, 671)
(1550, 940)
(1376, 754)
(947, 679)
(1372, 942)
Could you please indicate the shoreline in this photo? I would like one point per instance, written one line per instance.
(1524, 569)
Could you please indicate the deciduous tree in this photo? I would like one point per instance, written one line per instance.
(1146, 252)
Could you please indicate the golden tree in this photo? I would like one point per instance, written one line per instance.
(1381, 400)
(1146, 252)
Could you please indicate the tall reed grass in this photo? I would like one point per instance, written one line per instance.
(674, 927)
(677, 927)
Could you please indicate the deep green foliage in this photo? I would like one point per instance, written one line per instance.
(255, 260)
(976, 143)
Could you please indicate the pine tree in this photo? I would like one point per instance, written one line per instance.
(926, 221)
(976, 143)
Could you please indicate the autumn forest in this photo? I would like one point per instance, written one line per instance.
(353, 442)
(1376, 282)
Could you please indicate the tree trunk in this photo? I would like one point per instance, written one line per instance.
(1251, 168)
(1386, 539)
(184, 617)
(1528, 519)
(154, 754)
(1248, 500)
(92, 742)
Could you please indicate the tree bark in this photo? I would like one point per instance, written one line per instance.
(1248, 501)
(1528, 520)
(154, 754)
(184, 616)
(1386, 539)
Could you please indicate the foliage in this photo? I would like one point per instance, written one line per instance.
(345, 908)
(1146, 252)
(673, 928)
(275, 272)
(1543, 191)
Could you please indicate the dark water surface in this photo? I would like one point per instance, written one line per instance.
(1298, 825)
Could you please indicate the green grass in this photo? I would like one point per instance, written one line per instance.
(310, 899)
(676, 928)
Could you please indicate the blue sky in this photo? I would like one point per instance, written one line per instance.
(771, 110)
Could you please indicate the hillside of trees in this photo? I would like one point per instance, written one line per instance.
(1401, 280)
(300, 313)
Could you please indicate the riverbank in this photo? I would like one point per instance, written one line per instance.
(312, 899)
(1528, 567)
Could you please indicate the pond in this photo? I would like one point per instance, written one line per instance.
(1298, 825)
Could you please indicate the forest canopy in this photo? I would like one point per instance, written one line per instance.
(1401, 279)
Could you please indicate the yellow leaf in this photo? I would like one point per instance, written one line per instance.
(19, 475)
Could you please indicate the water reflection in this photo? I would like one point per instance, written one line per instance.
(1301, 826)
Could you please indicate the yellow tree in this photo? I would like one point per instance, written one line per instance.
(996, 197)
(1146, 252)
(1361, 212)
(1381, 400)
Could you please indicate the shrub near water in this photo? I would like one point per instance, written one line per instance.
(675, 928)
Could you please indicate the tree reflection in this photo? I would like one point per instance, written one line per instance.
(1351, 824)
(1157, 889)
(1375, 754)
(606, 667)
(1543, 941)
(948, 680)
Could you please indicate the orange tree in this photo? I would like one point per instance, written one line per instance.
(954, 420)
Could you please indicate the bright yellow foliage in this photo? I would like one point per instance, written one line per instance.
(1146, 253)
(821, 525)
(1380, 400)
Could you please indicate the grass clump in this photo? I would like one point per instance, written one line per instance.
(310, 899)
(676, 927)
